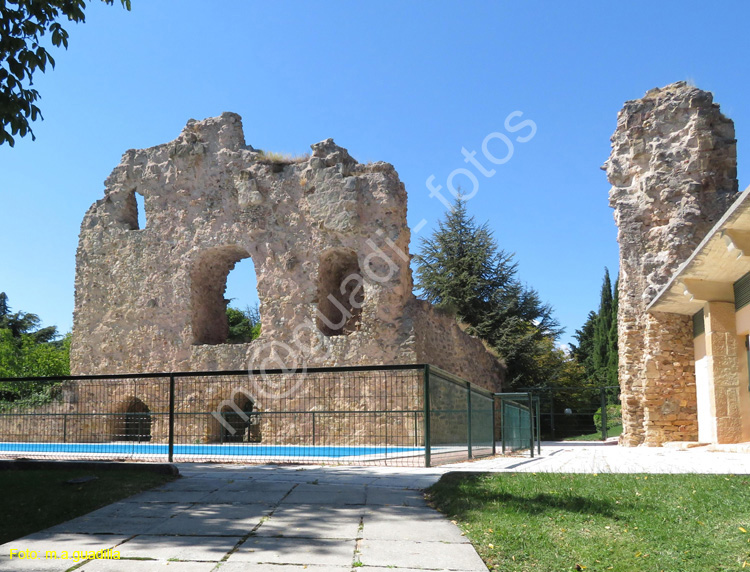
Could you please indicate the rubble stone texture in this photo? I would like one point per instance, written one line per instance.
(328, 238)
(673, 172)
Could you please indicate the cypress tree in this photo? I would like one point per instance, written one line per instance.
(600, 354)
(613, 360)
(584, 351)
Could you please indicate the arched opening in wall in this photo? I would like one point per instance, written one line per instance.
(208, 283)
(340, 293)
(240, 424)
(236, 421)
(132, 421)
(243, 311)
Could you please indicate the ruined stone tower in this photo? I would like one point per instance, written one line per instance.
(673, 174)
(330, 245)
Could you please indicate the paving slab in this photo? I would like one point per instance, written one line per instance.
(245, 497)
(194, 484)
(259, 486)
(146, 566)
(37, 565)
(394, 569)
(122, 509)
(387, 496)
(41, 542)
(170, 496)
(221, 521)
(409, 554)
(329, 495)
(411, 524)
(201, 548)
(313, 521)
(237, 511)
(300, 551)
(104, 525)
(249, 567)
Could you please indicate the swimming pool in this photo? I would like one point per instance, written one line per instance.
(217, 450)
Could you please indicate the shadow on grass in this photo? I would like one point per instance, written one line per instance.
(451, 495)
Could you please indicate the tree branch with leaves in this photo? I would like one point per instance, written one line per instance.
(27, 29)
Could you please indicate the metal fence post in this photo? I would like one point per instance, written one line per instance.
(386, 434)
(552, 414)
(170, 455)
(502, 423)
(416, 429)
(65, 427)
(468, 417)
(531, 423)
(426, 398)
(603, 395)
(538, 426)
(313, 428)
(494, 442)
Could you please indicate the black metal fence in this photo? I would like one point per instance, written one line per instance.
(396, 415)
(578, 412)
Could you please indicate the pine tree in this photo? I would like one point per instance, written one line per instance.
(461, 269)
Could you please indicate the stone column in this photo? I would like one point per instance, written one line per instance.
(724, 385)
(673, 170)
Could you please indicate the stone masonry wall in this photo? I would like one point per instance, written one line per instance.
(673, 172)
(324, 233)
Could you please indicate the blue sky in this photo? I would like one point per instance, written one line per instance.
(410, 83)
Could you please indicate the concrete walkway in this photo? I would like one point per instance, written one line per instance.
(234, 518)
(227, 518)
(597, 457)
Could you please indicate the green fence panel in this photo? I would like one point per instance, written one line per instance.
(482, 429)
(460, 419)
(516, 419)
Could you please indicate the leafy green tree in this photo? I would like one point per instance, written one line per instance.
(27, 27)
(26, 357)
(244, 325)
(461, 269)
(26, 350)
(23, 323)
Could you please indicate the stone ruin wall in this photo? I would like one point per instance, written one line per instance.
(673, 171)
(152, 299)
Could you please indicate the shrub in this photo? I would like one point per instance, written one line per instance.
(614, 417)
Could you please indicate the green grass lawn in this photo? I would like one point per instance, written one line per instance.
(615, 431)
(35, 499)
(627, 523)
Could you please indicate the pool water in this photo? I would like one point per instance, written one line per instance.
(218, 450)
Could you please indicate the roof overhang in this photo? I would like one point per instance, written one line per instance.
(710, 272)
